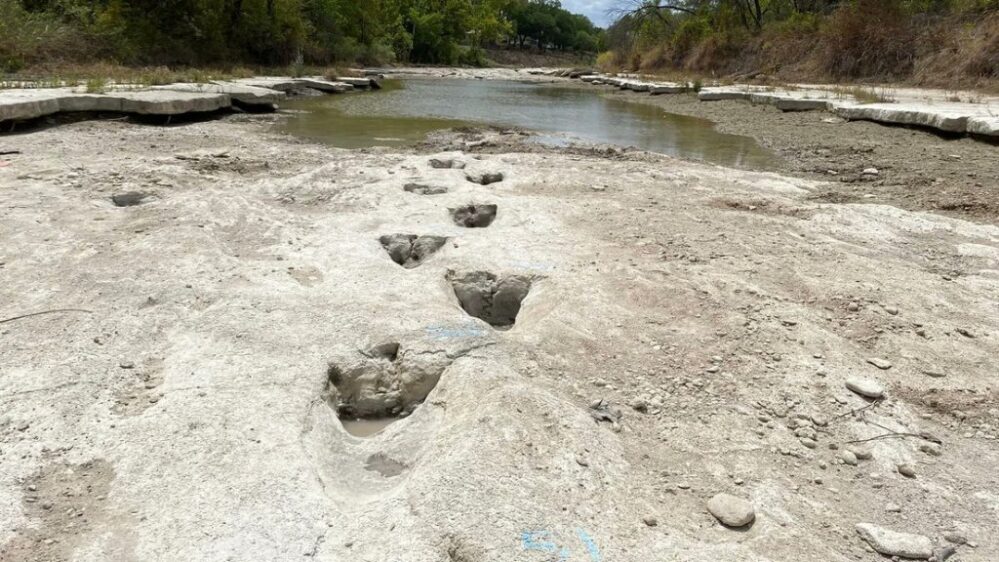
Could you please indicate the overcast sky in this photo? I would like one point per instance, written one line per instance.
(596, 10)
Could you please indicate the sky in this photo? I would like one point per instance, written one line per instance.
(596, 10)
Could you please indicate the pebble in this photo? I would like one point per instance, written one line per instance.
(930, 449)
(862, 453)
(848, 457)
(892, 543)
(126, 365)
(907, 470)
(731, 511)
(870, 172)
(853, 307)
(956, 538)
(893, 508)
(891, 310)
(880, 363)
(650, 521)
(865, 387)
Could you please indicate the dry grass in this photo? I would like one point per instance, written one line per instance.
(864, 94)
(105, 74)
(873, 41)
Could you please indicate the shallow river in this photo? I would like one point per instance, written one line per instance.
(405, 111)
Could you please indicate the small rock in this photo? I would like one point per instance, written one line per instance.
(930, 449)
(907, 470)
(892, 543)
(955, 537)
(870, 172)
(650, 521)
(444, 164)
(810, 443)
(581, 461)
(935, 373)
(891, 310)
(861, 453)
(853, 307)
(731, 511)
(869, 388)
(848, 457)
(126, 365)
(893, 508)
(640, 405)
(965, 332)
(880, 363)
(943, 553)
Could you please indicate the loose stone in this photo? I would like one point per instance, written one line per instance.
(868, 388)
(731, 511)
(892, 543)
(880, 363)
(848, 457)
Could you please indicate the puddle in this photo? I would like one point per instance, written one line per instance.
(405, 111)
(366, 427)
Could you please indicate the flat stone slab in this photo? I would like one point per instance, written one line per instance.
(30, 104)
(987, 126)
(286, 84)
(152, 102)
(788, 102)
(360, 82)
(660, 89)
(242, 93)
(942, 118)
(327, 86)
(723, 93)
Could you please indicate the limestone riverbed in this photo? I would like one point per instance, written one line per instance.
(590, 354)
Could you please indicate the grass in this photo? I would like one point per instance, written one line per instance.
(865, 95)
(96, 86)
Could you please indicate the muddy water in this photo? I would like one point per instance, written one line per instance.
(405, 111)
(366, 427)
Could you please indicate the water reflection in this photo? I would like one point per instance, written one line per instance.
(405, 112)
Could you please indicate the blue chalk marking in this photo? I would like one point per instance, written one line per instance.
(448, 332)
(591, 545)
(543, 541)
(538, 540)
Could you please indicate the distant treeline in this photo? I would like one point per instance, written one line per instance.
(929, 41)
(279, 32)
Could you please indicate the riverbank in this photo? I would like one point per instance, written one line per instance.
(210, 296)
(917, 169)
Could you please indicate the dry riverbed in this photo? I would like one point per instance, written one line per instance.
(678, 331)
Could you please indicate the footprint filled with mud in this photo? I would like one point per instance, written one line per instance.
(489, 297)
